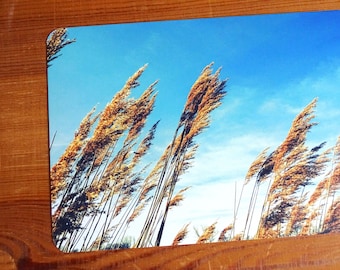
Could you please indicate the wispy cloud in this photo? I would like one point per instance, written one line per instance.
(274, 105)
(218, 173)
(223, 160)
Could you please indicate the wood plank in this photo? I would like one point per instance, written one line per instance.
(25, 238)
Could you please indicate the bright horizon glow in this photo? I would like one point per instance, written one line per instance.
(276, 65)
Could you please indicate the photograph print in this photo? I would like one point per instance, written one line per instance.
(194, 131)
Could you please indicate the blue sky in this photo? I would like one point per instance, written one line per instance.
(276, 65)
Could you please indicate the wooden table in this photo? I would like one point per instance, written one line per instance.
(25, 238)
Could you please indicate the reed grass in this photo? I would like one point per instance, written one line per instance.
(100, 185)
(55, 42)
(223, 235)
(180, 236)
(208, 234)
(288, 209)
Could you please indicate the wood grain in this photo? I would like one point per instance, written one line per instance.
(25, 238)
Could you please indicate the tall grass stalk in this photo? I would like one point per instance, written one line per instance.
(98, 185)
(205, 95)
(253, 170)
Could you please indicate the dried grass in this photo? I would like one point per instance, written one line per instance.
(180, 236)
(55, 42)
(98, 188)
(295, 166)
(102, 184)
(207, 235)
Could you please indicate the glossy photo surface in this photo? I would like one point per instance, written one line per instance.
(194, 131)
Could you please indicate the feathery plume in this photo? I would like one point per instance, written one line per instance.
(180, 236)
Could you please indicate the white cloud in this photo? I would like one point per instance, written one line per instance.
(225, 157)
(216, 171)
(276, 105)
(223, 160)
